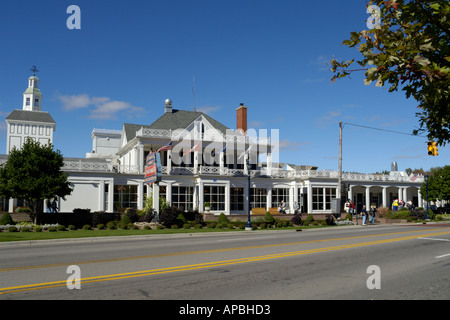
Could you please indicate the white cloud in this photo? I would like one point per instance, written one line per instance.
(102, 108)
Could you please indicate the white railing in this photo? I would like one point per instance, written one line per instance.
(177, 135)
(92, 166)
(78, 165)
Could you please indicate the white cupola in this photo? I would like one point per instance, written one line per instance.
(32, 97)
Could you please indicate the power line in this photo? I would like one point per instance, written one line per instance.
(398, 132)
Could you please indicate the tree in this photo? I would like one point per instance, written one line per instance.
(407, 45)
(33, 174)
(438, 184)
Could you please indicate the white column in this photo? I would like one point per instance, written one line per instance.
(140, 158)
(310, 202)
(227, 199)
(169, 161)
(101, 196)
(349, 193)
(111, 196)
(140, 196)
(384, 200)
(419, 198)
(269, 198)
(367, 198)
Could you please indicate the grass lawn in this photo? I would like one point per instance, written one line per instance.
(46, 235)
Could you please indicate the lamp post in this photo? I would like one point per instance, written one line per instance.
(248, 226)
(428, 202)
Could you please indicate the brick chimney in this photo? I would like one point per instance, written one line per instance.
(241, 118)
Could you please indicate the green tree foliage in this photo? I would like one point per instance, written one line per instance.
(33, 174)
(407, 45)
(438, 184)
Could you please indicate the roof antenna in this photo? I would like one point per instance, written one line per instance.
(193, 90)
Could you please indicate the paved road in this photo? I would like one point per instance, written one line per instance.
(372, 262)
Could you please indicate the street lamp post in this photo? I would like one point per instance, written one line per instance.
(248, 226)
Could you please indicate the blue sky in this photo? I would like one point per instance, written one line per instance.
(129, 56)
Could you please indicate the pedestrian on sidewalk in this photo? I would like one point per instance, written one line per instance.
(372, 214)
(364, 215)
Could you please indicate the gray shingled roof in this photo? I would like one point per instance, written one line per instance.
(180, 119)
(177, 119)
(35, 116)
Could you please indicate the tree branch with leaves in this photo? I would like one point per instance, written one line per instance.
(407, 47)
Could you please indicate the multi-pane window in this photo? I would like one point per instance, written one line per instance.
(215, 195)
(279, 194)
(237, 199)
(321, 198)
(258, 197)
(182, 197)
(125, 196)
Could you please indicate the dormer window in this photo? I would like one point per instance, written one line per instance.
(27, 103)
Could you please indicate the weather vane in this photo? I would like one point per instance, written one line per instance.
(34, 69)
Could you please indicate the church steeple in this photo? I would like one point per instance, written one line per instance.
(32, 97)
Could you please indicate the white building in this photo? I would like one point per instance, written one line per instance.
(219, 171)
(30, 121)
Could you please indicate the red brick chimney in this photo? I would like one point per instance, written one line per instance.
(241, 118)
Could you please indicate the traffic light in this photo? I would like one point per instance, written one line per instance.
(435, 149)
(432, 148)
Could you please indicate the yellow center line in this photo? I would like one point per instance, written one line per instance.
(205, 251)
(208, 264)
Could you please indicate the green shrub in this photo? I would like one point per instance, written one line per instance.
(198, 226)
(186, 226)
(51, 229)
(61, 228)
(309, 220)
(174, 226)
(25, 229)
(111, 225)
(87, 227)
(268, 218)
(211, 225)
(71, 227)
(12, 229)
(37, 229)
(6, 219)
(100, 226)
(222, 218)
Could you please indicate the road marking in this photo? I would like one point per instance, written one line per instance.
(444, 255)
(203, 265)
(434, 239)
(172, 254)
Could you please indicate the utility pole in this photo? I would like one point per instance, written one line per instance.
(339, 189)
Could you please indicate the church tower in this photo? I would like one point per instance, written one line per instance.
(31, 121)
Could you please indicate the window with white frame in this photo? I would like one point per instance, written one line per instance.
(279, 194)
(258, 197)
(215, 195)
(321, 198)
(182, 197)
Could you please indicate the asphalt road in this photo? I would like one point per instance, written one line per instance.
(386, 262)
